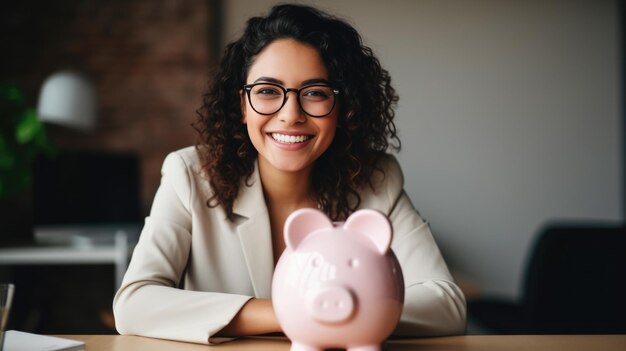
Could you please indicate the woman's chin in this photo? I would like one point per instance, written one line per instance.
(289, 165)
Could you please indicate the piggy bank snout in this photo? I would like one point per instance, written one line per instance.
(331, 304)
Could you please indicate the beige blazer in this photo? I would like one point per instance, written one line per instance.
(225, 263)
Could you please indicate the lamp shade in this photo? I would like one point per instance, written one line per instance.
(68, 98)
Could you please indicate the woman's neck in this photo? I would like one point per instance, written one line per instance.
(284, 193)
(287, 189)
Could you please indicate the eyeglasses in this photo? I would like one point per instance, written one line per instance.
(317, 100)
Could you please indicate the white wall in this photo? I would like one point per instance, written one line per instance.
(509, 116)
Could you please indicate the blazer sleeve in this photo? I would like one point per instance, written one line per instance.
(434, 305)
(149, 303)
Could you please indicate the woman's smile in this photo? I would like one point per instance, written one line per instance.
(290, 138)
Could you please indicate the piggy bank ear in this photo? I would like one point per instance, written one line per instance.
(372, 224)
(301, 223)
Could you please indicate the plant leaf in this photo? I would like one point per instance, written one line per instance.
(28, 127)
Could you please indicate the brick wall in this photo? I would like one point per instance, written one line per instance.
(149, 60)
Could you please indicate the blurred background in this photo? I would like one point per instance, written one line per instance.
(511, 117)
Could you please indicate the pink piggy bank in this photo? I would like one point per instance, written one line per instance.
(337, 286)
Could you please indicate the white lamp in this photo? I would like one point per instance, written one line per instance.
(68, 98)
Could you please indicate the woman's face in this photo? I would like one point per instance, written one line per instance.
(288, 140)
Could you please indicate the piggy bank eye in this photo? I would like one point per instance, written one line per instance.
(316, 262)
(353, 263)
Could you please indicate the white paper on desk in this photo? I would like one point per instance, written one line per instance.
(20, 341)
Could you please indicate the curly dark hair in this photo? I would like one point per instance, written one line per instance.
(365, 127)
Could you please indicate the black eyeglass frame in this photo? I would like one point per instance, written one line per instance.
(248, 89)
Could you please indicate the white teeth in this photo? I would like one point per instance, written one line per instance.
(290, 139)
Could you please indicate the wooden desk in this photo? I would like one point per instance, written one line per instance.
(467, 343)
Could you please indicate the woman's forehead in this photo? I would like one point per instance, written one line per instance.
(288, 61)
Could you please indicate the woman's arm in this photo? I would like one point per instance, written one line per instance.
(149, 302)
(255, 317)
(433, 303)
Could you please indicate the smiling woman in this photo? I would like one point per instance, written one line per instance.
(299, 115)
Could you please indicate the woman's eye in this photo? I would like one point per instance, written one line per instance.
(315, 94)
(267, 91)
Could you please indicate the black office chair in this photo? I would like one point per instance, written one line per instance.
(575, 283)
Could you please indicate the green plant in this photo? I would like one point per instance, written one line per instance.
(22, 138)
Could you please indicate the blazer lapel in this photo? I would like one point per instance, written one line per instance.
(255, 235)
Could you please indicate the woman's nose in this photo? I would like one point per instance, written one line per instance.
(291, 113)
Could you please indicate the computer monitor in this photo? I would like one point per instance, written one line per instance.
(86, 196)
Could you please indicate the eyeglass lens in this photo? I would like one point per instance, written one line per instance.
(315, 100)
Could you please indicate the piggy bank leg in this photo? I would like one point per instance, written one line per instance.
(296, 346)
(365, 348)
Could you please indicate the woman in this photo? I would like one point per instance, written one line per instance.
(299, 114)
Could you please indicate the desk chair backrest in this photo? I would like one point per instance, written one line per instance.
(576, 281)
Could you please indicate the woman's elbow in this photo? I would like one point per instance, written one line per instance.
(433, 308)
(123, 315)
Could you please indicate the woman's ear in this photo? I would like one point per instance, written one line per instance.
(242, 103)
